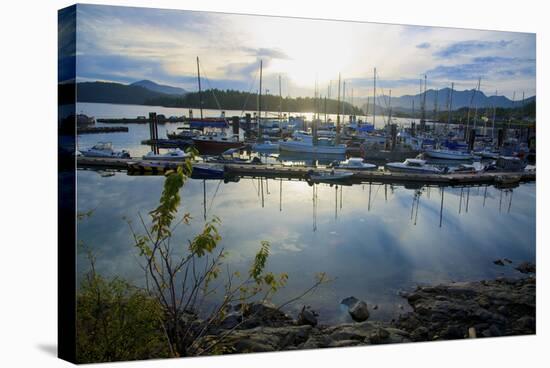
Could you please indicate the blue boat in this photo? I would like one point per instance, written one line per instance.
(208, 171)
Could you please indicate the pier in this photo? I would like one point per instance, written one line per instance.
(301, 173)
(91, 130)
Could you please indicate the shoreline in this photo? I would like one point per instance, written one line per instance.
(488, 308)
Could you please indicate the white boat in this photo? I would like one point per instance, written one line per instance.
(266, 146)
(493, 155)
(446, 154)
(171, 155)
(328, 176)
(464, 169)
(323, 146)
(355, 163)
(413, 165)
(104, 149)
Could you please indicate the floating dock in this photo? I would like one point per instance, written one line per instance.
(142, 120)
(301, 173)
(91, 130)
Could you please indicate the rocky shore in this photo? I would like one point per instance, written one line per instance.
(501, 307)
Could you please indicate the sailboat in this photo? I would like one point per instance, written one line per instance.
(213, 143)
(313, 144)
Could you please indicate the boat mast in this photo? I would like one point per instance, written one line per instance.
(344, 102)
(338, 113)
(423, 105)
(280, 101)
(468, 116)
(200, 90)
(450, 104)
(389, 110)
(494, 115)
(374, 102)
(475, 111)
(435, 104)
(260, 104)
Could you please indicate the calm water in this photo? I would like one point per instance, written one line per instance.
(373, 240)
(373, 248)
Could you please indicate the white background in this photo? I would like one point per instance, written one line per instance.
(28, 186)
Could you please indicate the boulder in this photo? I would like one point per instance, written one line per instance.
(526, 267)
(307, 317)
(357, 309)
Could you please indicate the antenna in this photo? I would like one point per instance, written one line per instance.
(200, 91)
(374, 101)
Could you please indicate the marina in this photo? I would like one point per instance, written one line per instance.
(234, 183)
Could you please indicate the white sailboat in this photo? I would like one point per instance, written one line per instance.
(172, 155)
(413, 165)
(355, 163)
(104, 149)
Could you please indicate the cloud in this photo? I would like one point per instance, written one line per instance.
(495, 67)
(469, 47)
(269, 53)
(423, 45)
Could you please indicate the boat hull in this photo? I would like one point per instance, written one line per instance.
(214, 147)
(303, 148)
(449, 155)
(415, 170)
(208, 172)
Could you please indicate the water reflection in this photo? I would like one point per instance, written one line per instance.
(375, 239)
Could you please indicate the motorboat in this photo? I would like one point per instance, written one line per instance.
(447, 154)
(233, 156)
(216, 143)
(266, 146)
(332, 176)
(413, 165)
(354, 163)
(184, 134)
(208, 171)
(104, 149)
(171, 155)
(306, 145)
(487, 154)
(464, 169)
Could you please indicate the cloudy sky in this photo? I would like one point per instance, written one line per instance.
(124, 45)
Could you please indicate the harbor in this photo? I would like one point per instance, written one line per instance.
(301, 173)
(248, 183)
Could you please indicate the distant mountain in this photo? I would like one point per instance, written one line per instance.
(459, 99)
(155, 87)
(107, 92)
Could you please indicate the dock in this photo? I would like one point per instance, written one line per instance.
(301, 173)
(142, 120)
(92, 130)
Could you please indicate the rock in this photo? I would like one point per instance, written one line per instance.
(499, 262)
(349, 301)
(507, 260)
(231, 321)
(526, 267)
(307, 317)
(379, 336)
(527, 324)
(503, 310)
(452, 332)
(359, 311)
(420, 334)
(492, 331)
(375, 307)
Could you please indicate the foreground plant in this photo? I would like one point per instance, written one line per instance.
(181, 276)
